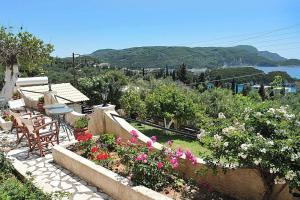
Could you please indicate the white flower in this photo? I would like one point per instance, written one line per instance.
(289, 117)
(274, 170)
(279, 181)
(284, 149)
(218, 137)
(221, 116)
(295, 156)
(226, 144)
(258, 114)
(245, 147)
(258, 135)
(228, 130)
(270, 143)
(244, 156)
(271, 110)
(268, 122)
(263, 150)
(257, 161)
(201, 134)
(290, 175)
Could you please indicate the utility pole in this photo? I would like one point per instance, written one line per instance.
(74, 71)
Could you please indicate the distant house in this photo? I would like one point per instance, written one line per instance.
(102, 65)
(34, 87)
(290, 89)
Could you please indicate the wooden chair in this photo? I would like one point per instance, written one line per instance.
(40, 137)
(18, 121)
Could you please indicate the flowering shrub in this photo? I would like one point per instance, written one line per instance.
(264, 138)
(149, 167)
(85, 143)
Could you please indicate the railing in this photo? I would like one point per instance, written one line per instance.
(192, 134)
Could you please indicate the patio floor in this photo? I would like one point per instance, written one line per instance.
(47, 175)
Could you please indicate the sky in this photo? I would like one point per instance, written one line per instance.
(85, 26)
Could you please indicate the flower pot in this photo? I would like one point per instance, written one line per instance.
(40, 106)
(5, 125)
(79, 130)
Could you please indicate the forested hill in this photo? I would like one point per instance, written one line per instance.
(196, 57)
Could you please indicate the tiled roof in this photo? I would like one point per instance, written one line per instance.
(65, 90)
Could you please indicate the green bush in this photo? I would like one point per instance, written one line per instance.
(108, 141)
(81, 123)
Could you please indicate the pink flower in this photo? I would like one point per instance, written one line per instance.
(194, 160)
(188, 154)
(160, 165)
(179, 152)
(170, 142)
(134, 133)
(133, 140)
(142, 157)
(118, 140)
(149, 143)
(174, 162)
(175, 165)
(153, 138)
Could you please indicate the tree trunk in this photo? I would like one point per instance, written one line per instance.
(11, 76)
(167, 125)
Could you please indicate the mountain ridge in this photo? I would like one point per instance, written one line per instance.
(194, 57)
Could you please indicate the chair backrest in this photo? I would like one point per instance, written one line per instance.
(17, 118)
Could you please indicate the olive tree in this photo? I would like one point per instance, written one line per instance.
(171, 104)
(20, 49)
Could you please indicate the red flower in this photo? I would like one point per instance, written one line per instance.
(160, 165)
(94, 149)
(89, 136)
(102, 156)
(83, 137)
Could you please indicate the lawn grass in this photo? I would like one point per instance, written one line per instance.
(179, 141)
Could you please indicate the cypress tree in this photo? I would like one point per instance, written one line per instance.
(262, 92)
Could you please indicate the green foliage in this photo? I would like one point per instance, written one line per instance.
(132, 103)
(277, 82)
(170, 102)
(93, 87)
(25, 49)
(81, 123)
(12, 189)
(41, 99)
(264, 137)
(108, 141)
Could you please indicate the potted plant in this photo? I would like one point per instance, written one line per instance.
(16, 96)
(80, 125)
(40, 104)
(6, 121)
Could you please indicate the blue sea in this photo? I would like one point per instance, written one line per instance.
(292, 71)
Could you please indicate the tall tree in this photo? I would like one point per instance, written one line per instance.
(233, 86)
(262, 92)
(21, 49)
(174, 75)
(182, 73)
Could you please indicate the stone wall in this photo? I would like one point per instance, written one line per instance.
(243, 184)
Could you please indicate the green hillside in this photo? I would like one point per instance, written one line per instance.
(196, 57)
